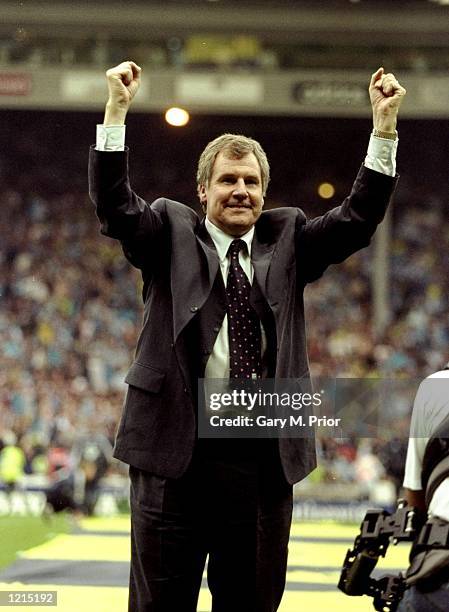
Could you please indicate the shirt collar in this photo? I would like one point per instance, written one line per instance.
(222, 240)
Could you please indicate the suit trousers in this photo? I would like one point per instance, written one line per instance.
(235, 508)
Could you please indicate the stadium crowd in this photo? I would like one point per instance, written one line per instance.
(70, 312)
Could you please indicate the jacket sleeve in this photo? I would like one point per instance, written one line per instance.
(332, 237)
(122, 213)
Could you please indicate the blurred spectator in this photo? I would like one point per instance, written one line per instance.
(12, 462)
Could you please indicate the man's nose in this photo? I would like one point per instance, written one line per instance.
(240, 190)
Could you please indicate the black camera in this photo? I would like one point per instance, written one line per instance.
(378, 528)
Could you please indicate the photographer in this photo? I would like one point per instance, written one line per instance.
(428, 574)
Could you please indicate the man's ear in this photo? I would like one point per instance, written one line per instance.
(203, 197)
(202, 194)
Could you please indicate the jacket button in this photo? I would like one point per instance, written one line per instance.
(216, 329)
(194, 308)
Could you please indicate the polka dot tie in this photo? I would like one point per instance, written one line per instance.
(243, 322)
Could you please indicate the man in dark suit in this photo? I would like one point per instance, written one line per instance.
(223, 298)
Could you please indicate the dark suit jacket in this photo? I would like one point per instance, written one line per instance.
(166, 240)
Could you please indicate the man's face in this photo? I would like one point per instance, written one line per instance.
(234, 195)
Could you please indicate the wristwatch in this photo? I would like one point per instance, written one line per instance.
(387, 135)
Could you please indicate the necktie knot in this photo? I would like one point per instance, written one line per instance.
(235, 247)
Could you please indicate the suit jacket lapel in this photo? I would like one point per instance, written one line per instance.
(208, 247)
(261, 255)
(193, 273)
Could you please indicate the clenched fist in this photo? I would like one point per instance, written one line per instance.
(123, 84)
(386, 95)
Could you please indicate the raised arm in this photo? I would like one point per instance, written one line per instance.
(122, 213)
(337, 234)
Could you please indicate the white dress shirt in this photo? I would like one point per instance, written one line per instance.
(218, 363)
